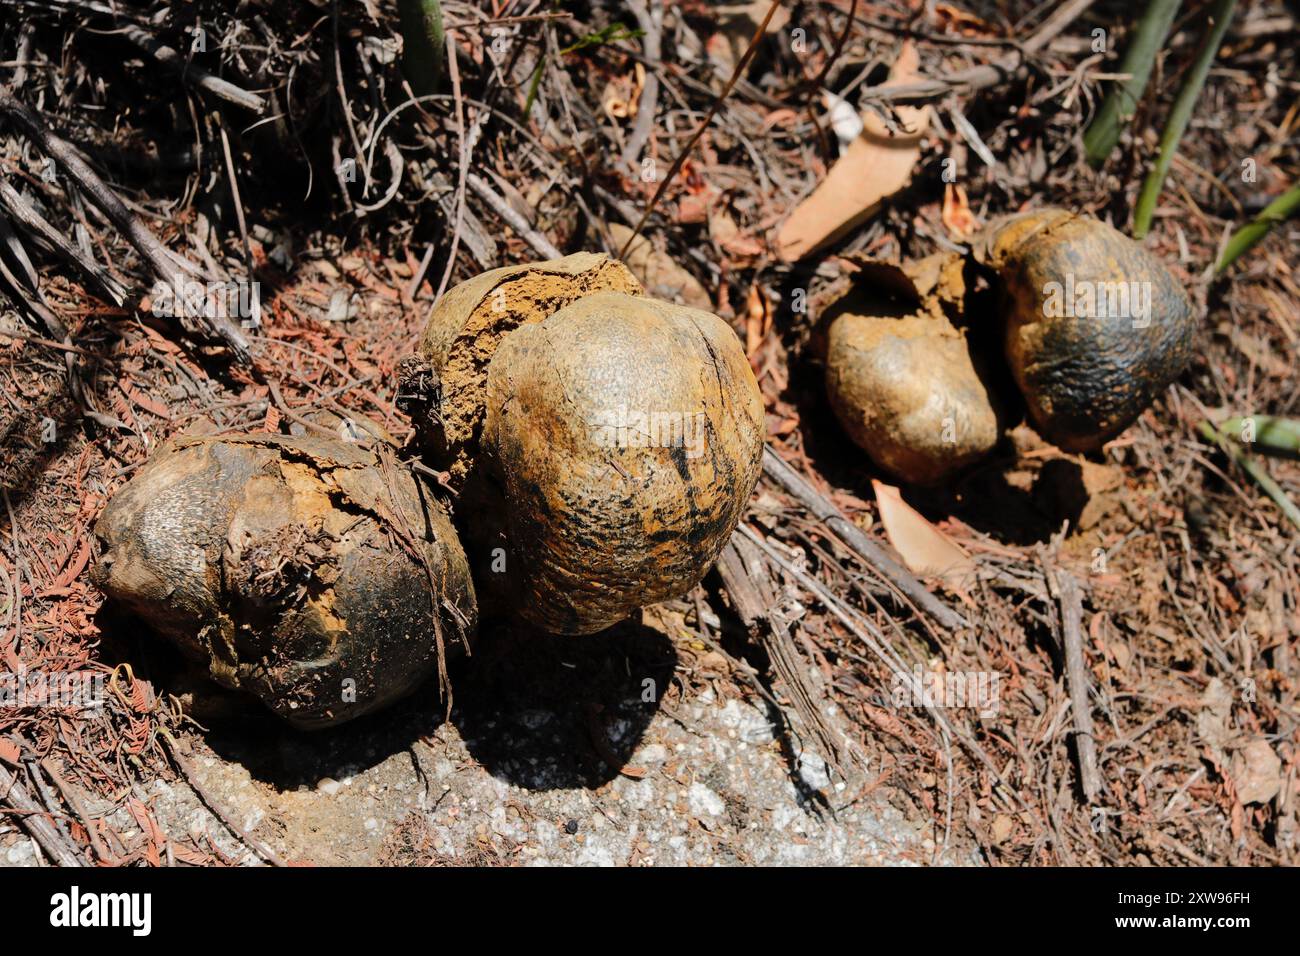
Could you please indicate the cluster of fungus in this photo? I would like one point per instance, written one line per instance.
(1089, 327)
(600, 447)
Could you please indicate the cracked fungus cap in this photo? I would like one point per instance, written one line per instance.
(907, 385)
(624, 437)
(1096, 326)
(466, 326)
(305, 571)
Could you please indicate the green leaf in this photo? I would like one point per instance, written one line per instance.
(1139, 58)
(1181, 114)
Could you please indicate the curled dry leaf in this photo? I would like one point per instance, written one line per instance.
(925, 549)
(623, 95)
(874, 166)
(1256, 772)
(736, 25)
(957, 217)
(1213, 718)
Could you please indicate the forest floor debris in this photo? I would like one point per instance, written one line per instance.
(1189, 576)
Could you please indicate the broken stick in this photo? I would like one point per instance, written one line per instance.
(35, 820)
(1076, 675)
(795, 484)
(985, 75)
(26, 216)
(260, 849)
(98, 192)
(191, 72)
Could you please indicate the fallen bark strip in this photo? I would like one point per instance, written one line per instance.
(193, 73)
(35, 820)
(73, 799)
(24, 290)
(874, 639)
(986, 75)
(741, 567)
(98, 192)
(795, 484)
(1076, 675)
(26, 215)
(650, 18)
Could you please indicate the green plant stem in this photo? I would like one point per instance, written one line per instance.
(1181, 114)
(1244, 238)
(424, 44)
(1139, 58)
(1271, 434)
(1228, 444)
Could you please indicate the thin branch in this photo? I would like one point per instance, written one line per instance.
(193, 73)
(779, 471)
(704, 124)
(1076, 675)
(518, 223)
(107, 202)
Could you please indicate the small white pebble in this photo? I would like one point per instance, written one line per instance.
(704, 802)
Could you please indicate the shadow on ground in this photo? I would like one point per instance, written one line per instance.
(545, 712)
(536, 711)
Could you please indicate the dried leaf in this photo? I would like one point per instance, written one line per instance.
(874, 166)
(1256, 772)
(1001, 829)
(757, 320)
(152, 831)
(735, 29)
(623, 95)
(925, 549)
(693, 208)
(951, 19)
(1212, 719)
(662, 277)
